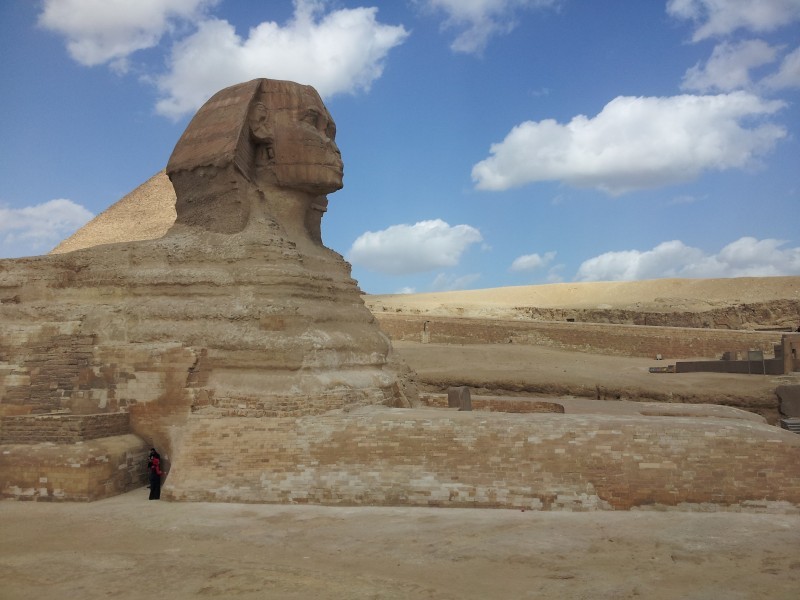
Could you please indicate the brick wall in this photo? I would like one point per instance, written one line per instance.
(429, 457)
(621, 340)
(50, 363)
(62, 428)
(80, 472)
(53, 371)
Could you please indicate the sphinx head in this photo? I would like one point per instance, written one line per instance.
(264, 137)
(293, 137)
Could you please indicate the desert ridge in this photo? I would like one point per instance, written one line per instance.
(661, 294)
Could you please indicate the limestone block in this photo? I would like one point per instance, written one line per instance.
(459, 397)
(789, 396)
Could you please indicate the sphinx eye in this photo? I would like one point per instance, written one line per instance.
(311, 117)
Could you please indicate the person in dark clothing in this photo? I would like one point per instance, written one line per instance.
(154, 467)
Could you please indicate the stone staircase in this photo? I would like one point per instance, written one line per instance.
(791, 423)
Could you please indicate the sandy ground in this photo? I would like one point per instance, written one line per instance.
(127, 547)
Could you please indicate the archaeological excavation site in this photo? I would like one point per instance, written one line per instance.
(203, 316)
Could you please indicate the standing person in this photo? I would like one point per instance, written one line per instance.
(155, 475)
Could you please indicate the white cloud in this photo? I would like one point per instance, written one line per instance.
(37, 229)
(403, 249)
(729, 66)
(339, 52)
(723, 17)
(99, 31)
(448, 283)
(531, 262)
(481, 19)
(788, 75)
(406, 290)
(746, 257)
(636, 143)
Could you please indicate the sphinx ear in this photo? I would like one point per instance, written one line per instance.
(264, 152)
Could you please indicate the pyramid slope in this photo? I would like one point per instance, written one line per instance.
(144, 214)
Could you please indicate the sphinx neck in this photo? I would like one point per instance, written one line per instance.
(298, 213)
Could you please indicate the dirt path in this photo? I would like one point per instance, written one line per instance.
(127, 547)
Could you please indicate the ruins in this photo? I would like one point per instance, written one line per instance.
(239, 345)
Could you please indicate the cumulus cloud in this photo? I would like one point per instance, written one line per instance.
(531, 262)
(99, 31)
(729, 66)
(37, 229)
(723, 17)
(746, 257)
(339, 51)
(342, 51)
(403, 249)
(636, 143)
(788, 75)
(480, 20)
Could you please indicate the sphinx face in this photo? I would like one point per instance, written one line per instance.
(294, 138)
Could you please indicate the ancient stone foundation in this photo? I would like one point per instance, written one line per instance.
(80, 471)
(428, 457)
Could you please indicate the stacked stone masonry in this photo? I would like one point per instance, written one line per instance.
(63, 428)
(429, 457)
(83, 471)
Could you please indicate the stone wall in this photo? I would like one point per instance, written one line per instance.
(508, 405)
(42, 366)
(62, 429)
(773, 366)
(430, 457)
(83, 471)
(622, 340)
(57, 371)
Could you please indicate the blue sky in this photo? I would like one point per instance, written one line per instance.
(486, 142)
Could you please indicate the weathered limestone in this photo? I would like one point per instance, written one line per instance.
(430, 457)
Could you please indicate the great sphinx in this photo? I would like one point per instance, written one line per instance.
(238, 310)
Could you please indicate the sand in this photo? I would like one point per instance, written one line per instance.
(657, 294)
(128, 547)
